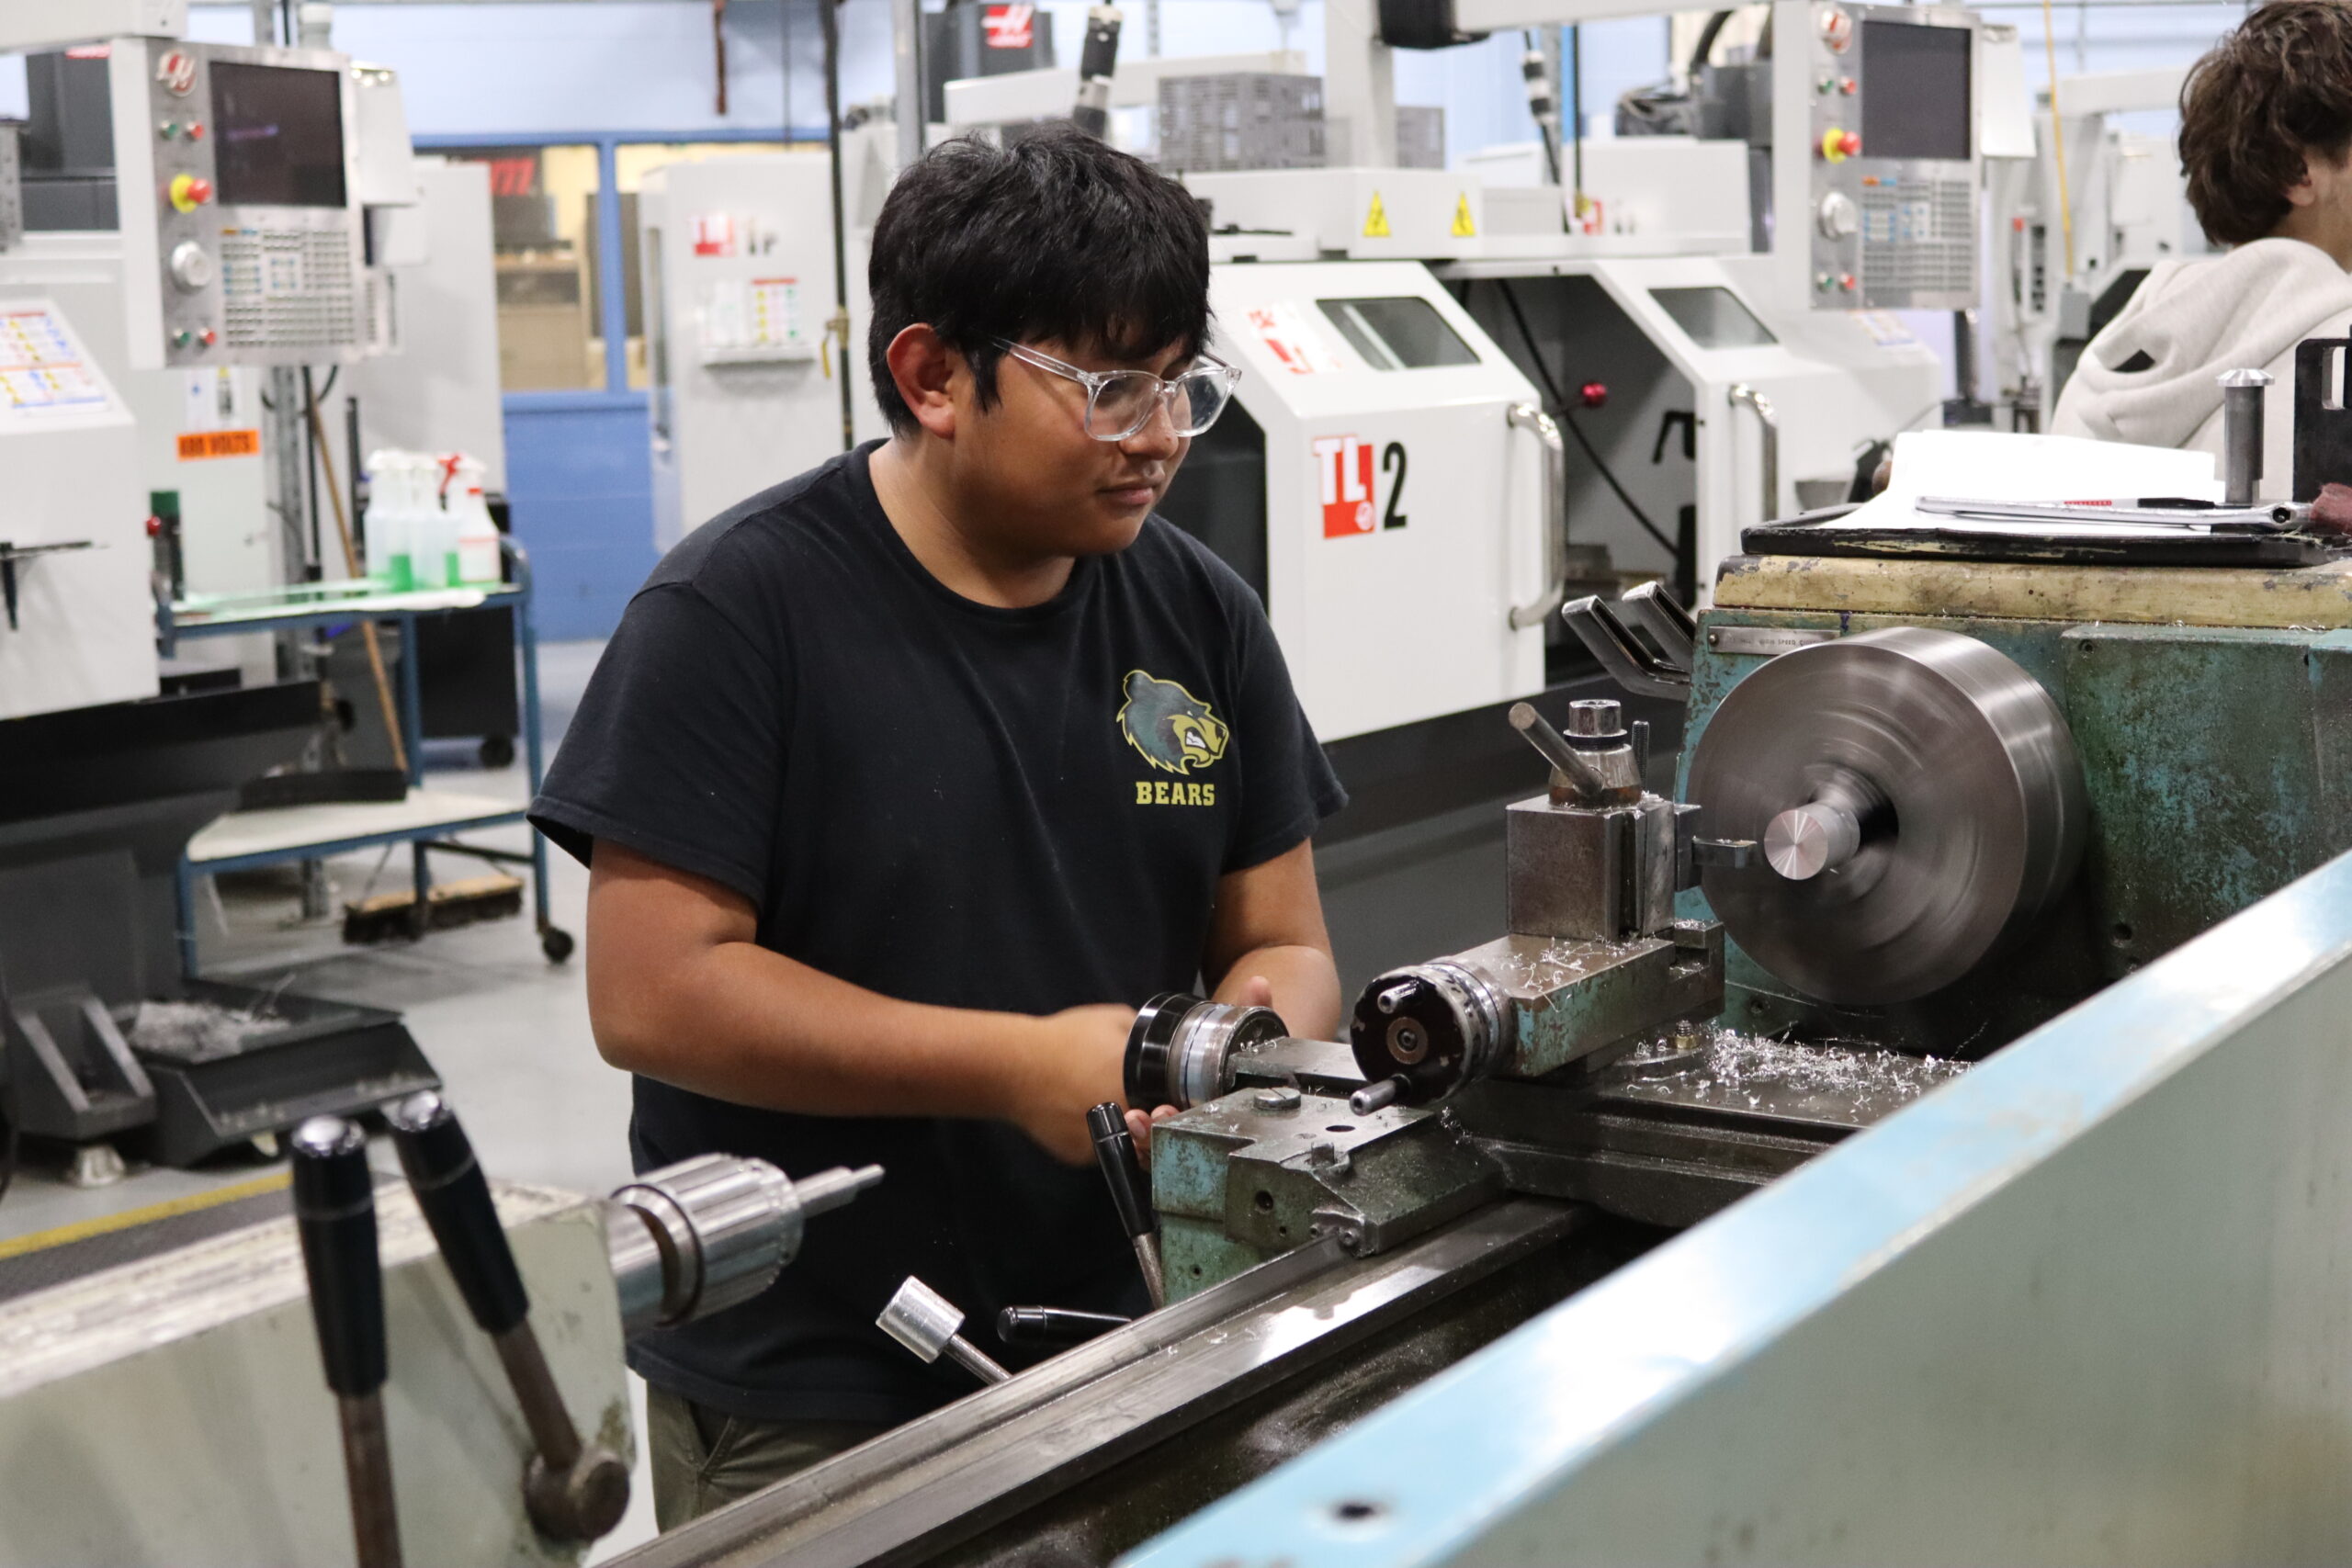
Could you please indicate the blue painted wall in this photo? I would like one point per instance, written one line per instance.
(579, 479)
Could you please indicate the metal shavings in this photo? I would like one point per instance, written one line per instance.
(1746, 1069)
(199, 1032)
(1560, 960)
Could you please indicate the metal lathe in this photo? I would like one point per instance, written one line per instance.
(1914, 1136)
(1915, 1139)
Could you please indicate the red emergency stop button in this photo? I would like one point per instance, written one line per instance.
(188, 192)
(1839, 145)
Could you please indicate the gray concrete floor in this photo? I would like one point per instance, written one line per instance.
(508, 1030)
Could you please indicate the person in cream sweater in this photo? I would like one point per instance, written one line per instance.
(2265, 142)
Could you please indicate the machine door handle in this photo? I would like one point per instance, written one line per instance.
(1527, 416)
(1742, 394)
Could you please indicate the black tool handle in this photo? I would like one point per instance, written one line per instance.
(1053, 1328)
(454, 1194)
(334, 1209)
(1114, 1151)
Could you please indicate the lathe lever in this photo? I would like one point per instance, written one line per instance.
(1054, 1327)
(573, 1491)
(929, 1323)
(334, 1210)
(1114, 1151)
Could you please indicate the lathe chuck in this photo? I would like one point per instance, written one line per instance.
(1918, 800)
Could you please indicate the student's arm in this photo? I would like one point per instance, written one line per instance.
(680, 990)
(1268, 946)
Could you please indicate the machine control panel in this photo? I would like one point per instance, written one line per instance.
(238, 200)
(1892, 148)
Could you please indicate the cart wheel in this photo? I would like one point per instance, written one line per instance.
(556, 942)
(497, 750)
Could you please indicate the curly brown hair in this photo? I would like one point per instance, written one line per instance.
(2269, 96)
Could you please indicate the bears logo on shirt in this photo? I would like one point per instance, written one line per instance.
(1176, 733)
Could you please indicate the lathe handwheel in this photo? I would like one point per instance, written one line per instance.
(1954, 770)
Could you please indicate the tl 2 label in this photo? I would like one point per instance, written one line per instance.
(1344, 469)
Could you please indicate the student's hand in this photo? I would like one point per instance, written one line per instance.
(1248, 991)
(1139, 1127)
(1079, 1062)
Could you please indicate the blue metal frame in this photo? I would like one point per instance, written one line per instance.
(517, 595)
(1570, 1439)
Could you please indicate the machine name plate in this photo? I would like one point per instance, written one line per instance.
(1764, 642)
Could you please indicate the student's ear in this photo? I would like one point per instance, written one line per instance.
(2303, 193)
(925, 369)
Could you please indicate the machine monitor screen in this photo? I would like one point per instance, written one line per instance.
(280, 135)
(1916, 94)
(1713, 316)
(1402, 332)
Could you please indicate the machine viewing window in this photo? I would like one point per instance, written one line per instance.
(280, 135)
(1713, 316)
(1916, 91)
(1404, 333)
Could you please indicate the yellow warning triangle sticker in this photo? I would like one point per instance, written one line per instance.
(1463, 229)
(1376, 223)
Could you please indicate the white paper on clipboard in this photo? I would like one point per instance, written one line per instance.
(1994, 465)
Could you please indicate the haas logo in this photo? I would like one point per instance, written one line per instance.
(176, 71)
(1010, 26)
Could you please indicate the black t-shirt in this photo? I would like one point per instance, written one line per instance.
(946, 802)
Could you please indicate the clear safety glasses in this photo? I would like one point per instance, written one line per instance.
(1121, 402)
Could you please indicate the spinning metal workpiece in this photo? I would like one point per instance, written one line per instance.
(1919, 802)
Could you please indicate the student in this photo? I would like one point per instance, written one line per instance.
(907, 781)
(2265, 140)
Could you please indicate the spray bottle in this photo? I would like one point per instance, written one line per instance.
(477, 559)
(391, 504)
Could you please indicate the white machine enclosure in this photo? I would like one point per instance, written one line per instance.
(240, 217)
(1365, 214)
(1646, 195)
(199, 438)
(84, 623)
(1405, 513)
(435, 389)
(738, 287)
(42, 24)
(1834, 379)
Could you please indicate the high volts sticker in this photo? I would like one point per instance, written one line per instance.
(198, 446)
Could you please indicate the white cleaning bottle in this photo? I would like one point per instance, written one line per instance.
(478, 559)
(391, 486)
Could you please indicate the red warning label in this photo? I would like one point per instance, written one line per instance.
(1345, 464)
(198, 445)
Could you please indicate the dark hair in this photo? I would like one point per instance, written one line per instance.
(2271, 94)
(1056, 236)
